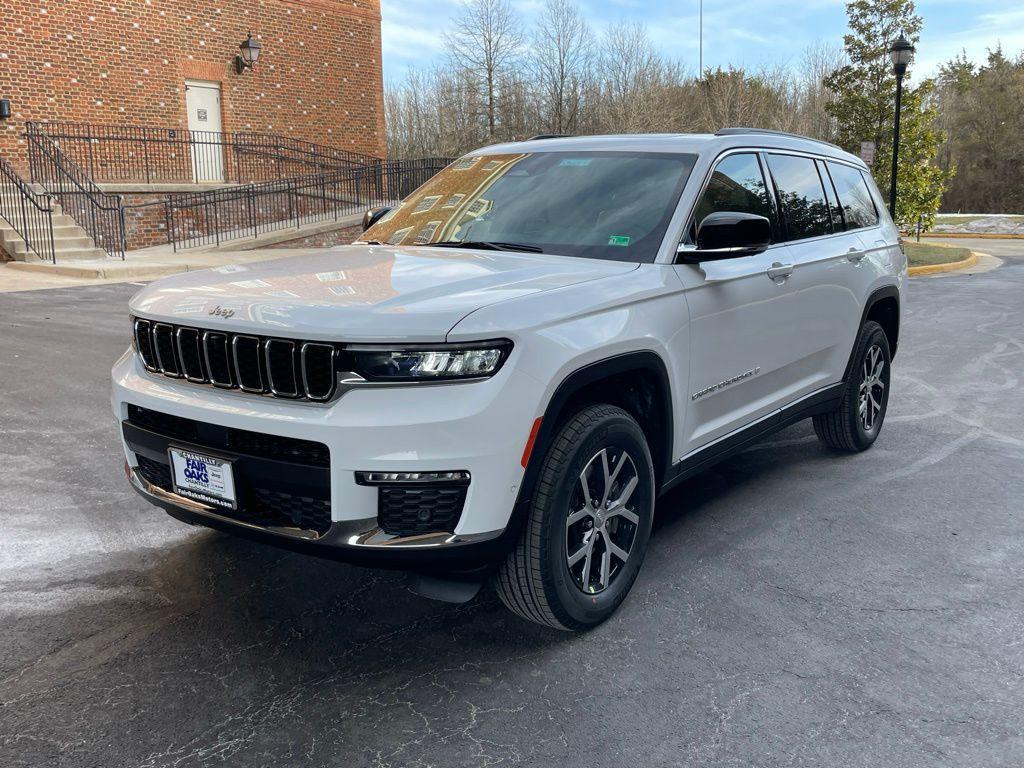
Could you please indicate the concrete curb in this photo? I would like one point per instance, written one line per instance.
(952, 266)
(98, 271)
(980, 235)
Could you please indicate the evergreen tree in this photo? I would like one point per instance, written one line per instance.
(865, 103)
(982, 109)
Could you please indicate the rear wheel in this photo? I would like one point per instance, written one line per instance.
(590, 521)
(856, 423)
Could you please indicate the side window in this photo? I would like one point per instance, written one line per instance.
(854, 197)
(804, 207)
(830, 195)
(737, 184)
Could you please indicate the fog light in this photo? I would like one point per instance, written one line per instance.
(453, 477)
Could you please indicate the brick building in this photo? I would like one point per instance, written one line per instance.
(127, 62)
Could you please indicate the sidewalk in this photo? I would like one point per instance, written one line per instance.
(159, 261)
(21, 276)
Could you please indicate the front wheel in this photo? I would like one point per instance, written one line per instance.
(856, 423)
(590, 521)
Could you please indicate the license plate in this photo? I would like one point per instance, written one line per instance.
(203, 478)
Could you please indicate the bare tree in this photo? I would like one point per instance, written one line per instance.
(635, 81)
(818, 62)
(485, 44)
(561, 59)
(496, 87)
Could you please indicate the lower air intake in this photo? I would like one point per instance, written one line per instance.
(416, 509)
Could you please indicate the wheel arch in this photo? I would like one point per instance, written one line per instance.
(883, 306)
(608, 381)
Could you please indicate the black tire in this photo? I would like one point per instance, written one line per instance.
(844, 429)
(536, 580)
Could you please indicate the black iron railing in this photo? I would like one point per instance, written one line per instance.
(234, 213)
(28, 212)
(124, 153)
(101, 215)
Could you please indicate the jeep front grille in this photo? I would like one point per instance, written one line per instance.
(288, 368)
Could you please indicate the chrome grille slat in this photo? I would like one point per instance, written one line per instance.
(166, 354)
(190, 355)
(245, 351)
(218, 366)
(282, 376)
(144, 343)
(277, 367)
(316, 361)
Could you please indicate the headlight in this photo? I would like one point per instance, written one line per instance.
(430, 363)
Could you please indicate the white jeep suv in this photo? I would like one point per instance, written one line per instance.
(502, 376)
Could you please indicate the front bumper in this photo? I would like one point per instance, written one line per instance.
(479, 427)
(356, 541)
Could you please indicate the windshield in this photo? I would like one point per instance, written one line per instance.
(602, 205)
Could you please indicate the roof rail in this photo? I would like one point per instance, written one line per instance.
(540, 136)
(768, 132)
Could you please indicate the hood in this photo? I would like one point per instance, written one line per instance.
(361, 292)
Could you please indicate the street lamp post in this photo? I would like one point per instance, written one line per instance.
(902, 53)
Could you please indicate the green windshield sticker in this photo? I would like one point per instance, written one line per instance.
(575, 161)
(618, 240)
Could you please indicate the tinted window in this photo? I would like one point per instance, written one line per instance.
(804, 207)
(736, 184)
(600, 205)
(854, 196)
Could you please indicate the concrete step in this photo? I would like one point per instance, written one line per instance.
(78, 254)
(59, 220)
(60, 244)
(59, 230)
(73, 248)
(63, 220)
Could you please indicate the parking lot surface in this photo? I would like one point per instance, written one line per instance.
(796, 607)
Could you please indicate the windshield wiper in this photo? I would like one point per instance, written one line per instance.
(488, 245)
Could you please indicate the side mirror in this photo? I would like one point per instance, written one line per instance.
(374, 215)
(728, 235)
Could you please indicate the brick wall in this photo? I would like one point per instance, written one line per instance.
(146, 224)
(125, 62)
(145, 221)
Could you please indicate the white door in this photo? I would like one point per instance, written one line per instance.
(202, 100)
(741, 343)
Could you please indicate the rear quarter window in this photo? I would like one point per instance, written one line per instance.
(854, 196)
(805, 209)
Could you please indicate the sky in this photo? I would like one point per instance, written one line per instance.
(748, 33)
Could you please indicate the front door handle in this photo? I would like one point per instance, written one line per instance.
(855, 255)
(777, 270)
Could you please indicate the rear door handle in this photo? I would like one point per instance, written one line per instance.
(777, 270)
(855, 255)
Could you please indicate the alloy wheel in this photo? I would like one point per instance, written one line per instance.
(872, 387)
(602, 521)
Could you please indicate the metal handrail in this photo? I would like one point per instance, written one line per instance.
(126, 153)
(100, 214)
(28, 212)
(245, 211)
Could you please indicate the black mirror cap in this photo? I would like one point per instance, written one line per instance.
(374, 215)
(733, 229)
(728, 235)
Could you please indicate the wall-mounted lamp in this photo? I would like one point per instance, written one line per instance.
(5, 109)
(250, 53)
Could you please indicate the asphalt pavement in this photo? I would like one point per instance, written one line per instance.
(797, 607)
